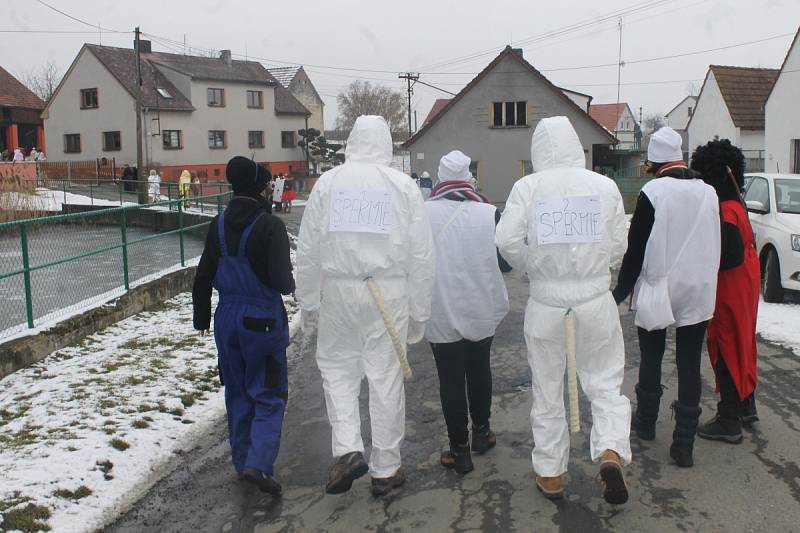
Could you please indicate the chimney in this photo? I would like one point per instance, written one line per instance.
(145, 47)
(225, 55)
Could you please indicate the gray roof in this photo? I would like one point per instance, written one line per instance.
(121, 62)
(285, 75)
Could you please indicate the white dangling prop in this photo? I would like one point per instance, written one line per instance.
(572, 373)
(399, 346)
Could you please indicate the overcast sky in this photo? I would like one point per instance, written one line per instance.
(426, 36)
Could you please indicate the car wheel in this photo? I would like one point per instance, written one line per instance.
(771, 279)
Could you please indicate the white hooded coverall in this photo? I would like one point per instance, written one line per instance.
(574, 275)
(338, 247)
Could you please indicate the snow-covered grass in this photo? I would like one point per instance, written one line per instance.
(780, 323)
(87, 431)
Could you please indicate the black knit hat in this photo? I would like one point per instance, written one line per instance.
(245, 176)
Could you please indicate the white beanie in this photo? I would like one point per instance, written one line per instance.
(665, 146)
(454, 166)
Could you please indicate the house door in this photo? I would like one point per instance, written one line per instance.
(795, 156)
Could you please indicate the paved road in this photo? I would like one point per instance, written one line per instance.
(754, 486)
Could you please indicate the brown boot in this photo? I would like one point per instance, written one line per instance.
(384, 485)
(550, 487)
(615, 489)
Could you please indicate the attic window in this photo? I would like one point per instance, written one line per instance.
(509, 114)
(164, 93)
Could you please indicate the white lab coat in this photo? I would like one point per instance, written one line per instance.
(18, 155)
(469, 293)
(277, 191)
(678, 282)
(569, 276)
(154, 186)
(331, 267)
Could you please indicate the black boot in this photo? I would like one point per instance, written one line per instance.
(644, 419)
(483, 439)
(686, 418)
(345, 470)
(458, 458)
(747, 411)
(725, 426)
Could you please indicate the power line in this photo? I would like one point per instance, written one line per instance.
(80, 32)
(76, 19)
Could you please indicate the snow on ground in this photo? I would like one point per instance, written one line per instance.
(780, 323)
(87, 431)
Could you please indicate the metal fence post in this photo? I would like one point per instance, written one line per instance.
(23, 235)
(169, 196)
(124, 234)
(180, 232)
(119, 186)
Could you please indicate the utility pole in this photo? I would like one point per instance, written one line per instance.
(409, 77)
(141, 185)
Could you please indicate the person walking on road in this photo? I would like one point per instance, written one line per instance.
(671, 267)
(365, 267)
(469, 301)
(246, 258)
(425, 185)
(154, 186)
(732, 331)
(184, 187)
(565, 227)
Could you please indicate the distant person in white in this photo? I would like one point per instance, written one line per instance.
(469, 301)
(364, 224)
(154, 186)
(425, 185)
(568, 253)
(18, 155)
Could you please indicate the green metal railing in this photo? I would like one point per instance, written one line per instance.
(70, 241)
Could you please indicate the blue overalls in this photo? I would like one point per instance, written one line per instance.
(251, 332)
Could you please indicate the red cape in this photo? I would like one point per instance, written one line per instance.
(732, 331)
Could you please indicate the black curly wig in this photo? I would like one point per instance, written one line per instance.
(713, 160)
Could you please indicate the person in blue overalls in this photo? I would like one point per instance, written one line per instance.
(246, 258)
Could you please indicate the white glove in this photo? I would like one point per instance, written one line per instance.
(416, 330)
(309, 321)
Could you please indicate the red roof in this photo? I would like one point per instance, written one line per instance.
(438, 105)
(607, 114)
(14, 94)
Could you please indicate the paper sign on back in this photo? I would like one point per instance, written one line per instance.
(362, 211)
(569, 219)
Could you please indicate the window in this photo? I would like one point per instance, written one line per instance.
(216, 97)
(758, 191)
(72, 143)
(255, 99)
(111, 141)
(164, 93)
(690, 109)
(89, 99)
(287, 139)
(216, 138)
(255, 139)
(172, 139)
(509, 114)
(795, 156)
(787, 196)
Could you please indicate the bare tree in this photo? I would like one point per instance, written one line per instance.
(44, 80)
(653, 121)
(363, 98)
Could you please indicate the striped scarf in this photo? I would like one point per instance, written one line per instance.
(457, 190)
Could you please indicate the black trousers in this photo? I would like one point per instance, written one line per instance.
(688, 347)
(728, 394)
(465, 385)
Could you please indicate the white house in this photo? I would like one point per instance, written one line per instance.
(731, 106)
(198, 112)
(782, 134)
(619, 120)
(678, 119)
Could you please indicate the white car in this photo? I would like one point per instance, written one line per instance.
(773, 201)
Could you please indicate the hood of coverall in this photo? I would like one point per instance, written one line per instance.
(370, 141)
(556, 145)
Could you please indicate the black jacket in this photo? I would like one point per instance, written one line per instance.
(639, 233)
(267, 252)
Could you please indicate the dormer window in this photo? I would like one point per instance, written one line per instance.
(164, 93)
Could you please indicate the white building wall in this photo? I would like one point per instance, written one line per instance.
(751, 140)
(711, 117)
(783, 115)
(116, 111)
(678, 118)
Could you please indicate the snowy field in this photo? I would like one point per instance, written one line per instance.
(780, 323)
(88, 430)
